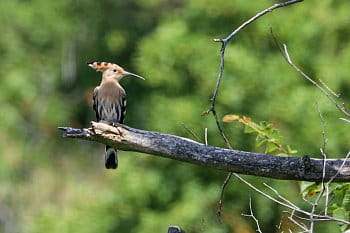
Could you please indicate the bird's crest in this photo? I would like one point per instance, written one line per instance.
(102, 66)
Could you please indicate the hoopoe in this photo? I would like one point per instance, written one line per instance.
(109, 101)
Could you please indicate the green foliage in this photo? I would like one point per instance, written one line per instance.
(338, 198)
(266, 135)
(50, 184)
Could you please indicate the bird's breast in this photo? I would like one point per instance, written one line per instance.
(109, 99)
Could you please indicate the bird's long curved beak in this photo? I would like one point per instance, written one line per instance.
(132, 74)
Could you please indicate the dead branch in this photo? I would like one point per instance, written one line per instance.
(212, 109)
(183, 149)
(251, 215)
(330, 94)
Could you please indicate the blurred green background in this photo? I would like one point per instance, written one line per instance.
(52, 184)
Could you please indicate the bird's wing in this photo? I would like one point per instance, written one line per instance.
(122, 105)
(95, 103)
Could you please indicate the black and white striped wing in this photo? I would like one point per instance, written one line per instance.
(122, 105)
(95, 104)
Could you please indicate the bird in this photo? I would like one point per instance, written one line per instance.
(109, 101)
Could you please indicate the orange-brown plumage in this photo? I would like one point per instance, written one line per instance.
(109, 101)
(102, 66)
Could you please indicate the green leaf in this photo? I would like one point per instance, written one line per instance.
(264, 125)
(271, 147)
(308, 189)
(260, 140)
(291, 151)
(339, 196)
(346, 200)
(248, 129)
(341, 213)
(331, 208)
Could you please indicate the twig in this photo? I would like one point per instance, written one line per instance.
(329, 89)
(226, 40)
(281, 197)
(316, 216)
(324, 128)
(278, 227)
(320, 218)
(324, 187)
(224, 43)
(190, 131)
(323, 152)
(206, 136)
(344, 119)
(301, 225)
(223, 186)
(341, 107)
(251, 215)
(340, 168)
(331, 180)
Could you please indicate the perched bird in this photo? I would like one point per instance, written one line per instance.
(109, 101)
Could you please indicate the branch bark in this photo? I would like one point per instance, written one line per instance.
(186, 150)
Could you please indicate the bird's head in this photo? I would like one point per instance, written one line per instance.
(111, 70)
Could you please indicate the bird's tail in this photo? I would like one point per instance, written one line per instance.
(111, 158)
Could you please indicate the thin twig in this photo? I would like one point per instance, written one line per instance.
(340, 168)
(226, 40)
(324, 129)
(206, 136)
(224, 43)
(341, 107)
(190, 131)
(323, 152)
(251, 215)
(344, 119)
(297, 223)
(299, 210)
(278, 227)
(331, 180)
(223, 186)
(281, 197)
(329, 89)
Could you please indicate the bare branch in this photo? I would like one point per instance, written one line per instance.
(301, 225)
(281, 197)
(257, 16)
(251, 215)
(323, 187)
(183, 149)
(228, 177)
(329, 89)
(343, 119)
(295, 209)
(226, 40)
(340, 168)
(222, 65)
(206, 136)
(190, 131)
(224, 43)
(340, 106)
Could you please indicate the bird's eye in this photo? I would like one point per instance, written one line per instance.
(114, 70)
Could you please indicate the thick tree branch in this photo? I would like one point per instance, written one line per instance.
(183, 149)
